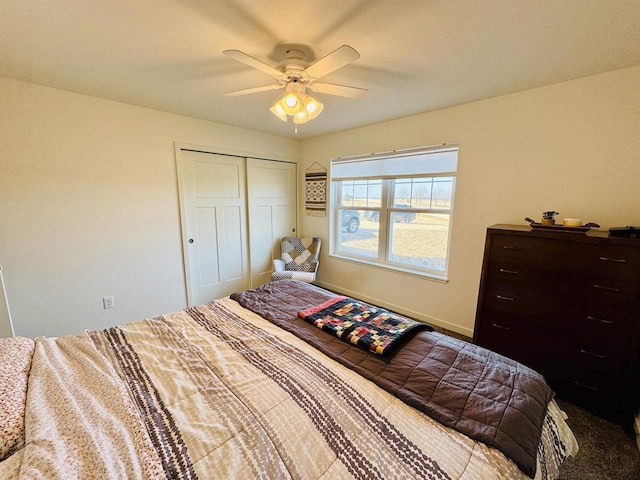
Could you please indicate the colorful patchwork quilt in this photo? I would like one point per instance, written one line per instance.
(372, 328)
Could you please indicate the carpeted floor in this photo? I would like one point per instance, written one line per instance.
(606, 450)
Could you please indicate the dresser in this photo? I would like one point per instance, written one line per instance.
(566, 304)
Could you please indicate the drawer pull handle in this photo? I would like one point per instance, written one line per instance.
(507, 299)
(501, 327)
(615, 260)
(512, 272)
(511, 247)
(596, 355)
(601, 320)
(604, 287)
(584, 385)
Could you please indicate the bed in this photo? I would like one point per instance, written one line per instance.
(243, 387)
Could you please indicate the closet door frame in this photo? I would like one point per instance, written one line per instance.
(180, 147)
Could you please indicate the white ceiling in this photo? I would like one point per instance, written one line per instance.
(416, 55)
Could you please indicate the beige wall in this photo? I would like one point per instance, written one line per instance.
(88, 195)
(572, 147)
(89, 206)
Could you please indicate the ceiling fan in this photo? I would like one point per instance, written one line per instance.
(295, 76)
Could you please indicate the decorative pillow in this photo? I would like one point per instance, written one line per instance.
(15, 362)
(300, 254)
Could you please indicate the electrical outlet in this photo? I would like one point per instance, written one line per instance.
(107, 302)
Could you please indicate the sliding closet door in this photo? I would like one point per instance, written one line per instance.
(214, 219)
(272, 213)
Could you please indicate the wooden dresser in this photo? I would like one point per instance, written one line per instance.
(566, 304)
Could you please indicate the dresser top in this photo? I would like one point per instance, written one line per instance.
(591, 236)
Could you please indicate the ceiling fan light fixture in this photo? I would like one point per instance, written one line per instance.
(313, 107)
(300, 106)
(278, 111)
(301, 117)
(291, 103)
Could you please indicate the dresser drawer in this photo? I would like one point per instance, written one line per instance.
(530, 308)
(597, 359)
(565, 261)
(603, 396)
(550, 280)
(532, 252)
(513, 340)
(614, 262)
(601, 327)
(581, 371)
(610, 297)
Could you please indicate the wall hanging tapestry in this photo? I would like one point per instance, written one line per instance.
(315, 190)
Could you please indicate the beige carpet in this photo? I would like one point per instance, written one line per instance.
(607, 451)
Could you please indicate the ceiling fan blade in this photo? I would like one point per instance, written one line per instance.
(336, 59)
(246, 91)
(253, 62)
(340, 90)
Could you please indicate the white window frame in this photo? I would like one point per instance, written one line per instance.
(386, 208)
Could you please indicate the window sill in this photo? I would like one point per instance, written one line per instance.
(434, 277)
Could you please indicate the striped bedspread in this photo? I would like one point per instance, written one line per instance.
(216, 391)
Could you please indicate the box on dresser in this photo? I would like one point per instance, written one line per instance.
(566, 304)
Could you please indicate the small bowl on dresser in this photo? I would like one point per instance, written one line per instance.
(571, 222)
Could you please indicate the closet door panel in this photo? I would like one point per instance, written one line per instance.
(271, 187)
(213, 208)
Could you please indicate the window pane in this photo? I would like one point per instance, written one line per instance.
(420, 243)
(421, 193)
(374, 193)
(442, 192)
(346, 194)
(360, 193)
(403, 192)
(357, 234)
(403, 217)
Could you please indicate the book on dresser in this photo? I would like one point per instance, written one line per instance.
(566, 304)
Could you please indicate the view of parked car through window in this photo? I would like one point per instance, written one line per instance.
(351, 220)
(407, 217)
